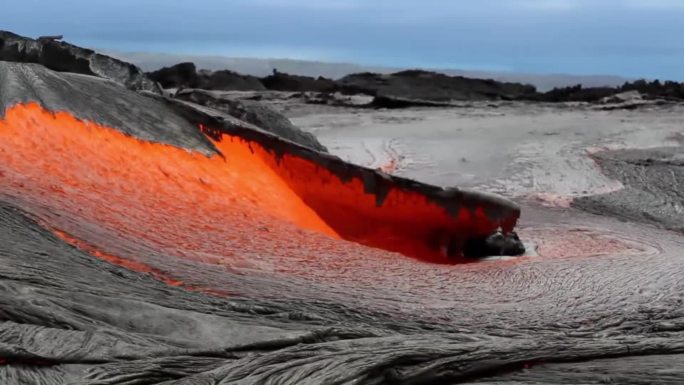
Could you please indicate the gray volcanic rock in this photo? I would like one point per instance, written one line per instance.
(264, 67)
(228, 81)
(623, 97)
(337, 99)
(383, 101)
(412, 88)
(654, 187)
(629, 100)
(576, 94)
(424, 85)
(285, 82)
(185, 75)
(179, 75)
(253, 112)
(65, 57)
(632, 94)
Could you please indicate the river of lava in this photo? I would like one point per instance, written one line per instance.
(95, 180)
(163, 210)
(98, 187)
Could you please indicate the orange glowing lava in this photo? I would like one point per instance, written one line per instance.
(405, 222)
(247, 208)
(91, 157)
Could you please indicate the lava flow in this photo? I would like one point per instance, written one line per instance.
(125, 196)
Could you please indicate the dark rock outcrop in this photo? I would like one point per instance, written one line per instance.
(432, 86)
(575, 94)
(228, 81)
(179, 75)
(656, 89)
(65, 57)
(383, 101)
(669, 90)
(285, 82)
(185, 75)
(409, 88)
(252, 112)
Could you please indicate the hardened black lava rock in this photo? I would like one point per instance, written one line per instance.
(65, 57)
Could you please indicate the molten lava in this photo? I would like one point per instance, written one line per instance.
(247, 207)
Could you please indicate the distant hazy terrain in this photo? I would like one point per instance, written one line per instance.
(263, 67)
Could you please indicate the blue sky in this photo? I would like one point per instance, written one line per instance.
(634, 38)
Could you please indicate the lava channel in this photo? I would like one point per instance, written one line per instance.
(244, 206)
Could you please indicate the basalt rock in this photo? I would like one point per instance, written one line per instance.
(575, 94)
(228, 81)
(669, 90)
(396, 102)
(409, 88)
(432, 86)
(185, 75)
(336, 99)
(65, 57)
(285, 82)
(497, 244)
(176, 76)
(630, 94)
